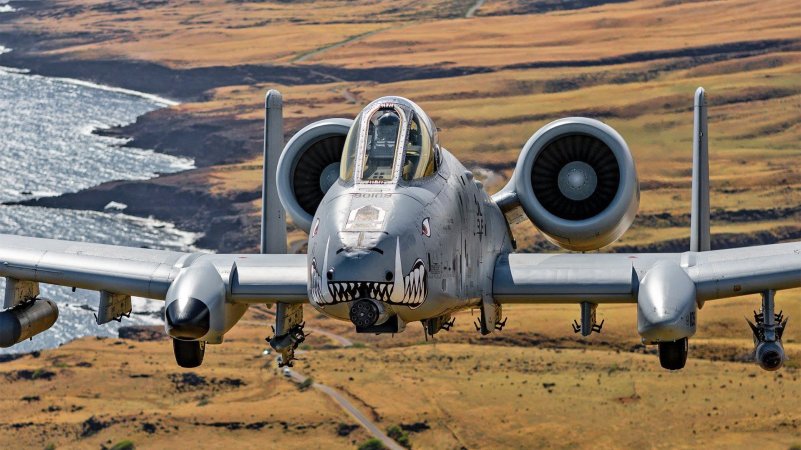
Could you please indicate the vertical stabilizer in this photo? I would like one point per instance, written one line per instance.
(273, 217)
(699, 221)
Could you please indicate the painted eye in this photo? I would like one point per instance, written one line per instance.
(426, 227)
(316, 227)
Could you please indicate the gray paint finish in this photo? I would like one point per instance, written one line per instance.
(273, 219)
(700, 240)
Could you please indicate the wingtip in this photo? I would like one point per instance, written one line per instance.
(273, 99)
(700, 96)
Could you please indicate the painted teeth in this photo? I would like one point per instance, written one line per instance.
(316, 282)
(349, 290)
(415, 289)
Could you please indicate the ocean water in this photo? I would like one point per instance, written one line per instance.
(47, 148)
(46, 141)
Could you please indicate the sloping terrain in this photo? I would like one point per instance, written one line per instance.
(534, 384)
(489, 82)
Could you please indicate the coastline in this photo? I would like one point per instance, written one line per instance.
(180, 198)
(214, 138)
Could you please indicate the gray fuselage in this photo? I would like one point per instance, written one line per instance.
(422, 248)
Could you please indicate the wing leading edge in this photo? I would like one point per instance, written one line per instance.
(616, 278)
(149, 273)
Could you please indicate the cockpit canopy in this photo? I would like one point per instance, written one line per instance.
(391, 139)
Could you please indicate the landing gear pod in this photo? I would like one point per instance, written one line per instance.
(673, 355)
(26, 320)
(188, 354)
(666, 311)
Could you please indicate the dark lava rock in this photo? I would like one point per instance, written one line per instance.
(187, 381)
(142, 333)
(30, 375)
(415, 427)
(231, 426)
(9, 357)
(345, 429)
(190, 381)
(92, 426)
(232, 382)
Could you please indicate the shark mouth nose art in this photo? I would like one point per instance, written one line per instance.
(414, 288)
(348, 291)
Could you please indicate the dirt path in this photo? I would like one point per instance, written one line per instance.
(336, 396)
(341, 43)
(472, 11)
(345, 404)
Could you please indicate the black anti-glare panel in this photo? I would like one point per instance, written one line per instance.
(562, 151)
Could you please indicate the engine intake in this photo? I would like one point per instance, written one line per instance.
(576, 181)
(575, 177)
(309, 166)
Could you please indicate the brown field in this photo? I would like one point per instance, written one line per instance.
(633, 65)
(533, 385)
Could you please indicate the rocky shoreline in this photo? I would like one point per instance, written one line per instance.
(180, 198)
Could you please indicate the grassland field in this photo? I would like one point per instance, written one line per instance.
(489, 82)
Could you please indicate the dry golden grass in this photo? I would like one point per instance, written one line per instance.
(192, 34)
(475, 392)
(534, 384)
(485, 118)
(586, 34)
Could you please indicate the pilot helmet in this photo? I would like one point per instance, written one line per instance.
(386, 132)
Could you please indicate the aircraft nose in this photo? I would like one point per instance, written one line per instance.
(187, 319)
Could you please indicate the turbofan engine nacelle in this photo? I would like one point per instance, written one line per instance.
(576, 181)
(309, 166)
(26, 320)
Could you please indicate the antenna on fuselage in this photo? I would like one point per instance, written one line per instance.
(273, 217)
(699, 219)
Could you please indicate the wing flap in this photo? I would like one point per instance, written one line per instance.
(564, 278)
(742, 271)
(276, 277)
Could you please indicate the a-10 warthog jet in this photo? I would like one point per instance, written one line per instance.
(400, 231)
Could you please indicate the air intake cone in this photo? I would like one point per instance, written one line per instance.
(575, 177)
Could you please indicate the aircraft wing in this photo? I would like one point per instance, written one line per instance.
(618, 277)
(149, 273)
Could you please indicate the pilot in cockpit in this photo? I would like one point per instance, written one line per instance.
(384, 145)
(382, 137)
